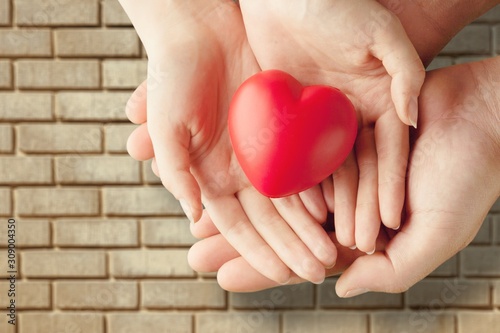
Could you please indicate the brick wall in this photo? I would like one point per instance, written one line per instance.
(103, 246)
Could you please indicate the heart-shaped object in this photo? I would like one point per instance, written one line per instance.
(286, 137)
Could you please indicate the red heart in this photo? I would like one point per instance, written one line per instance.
(286, 137)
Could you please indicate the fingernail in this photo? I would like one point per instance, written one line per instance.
(413, 111)
(187, 209)
(371, 252)
(356, 292)
(397, 228)
(353, 247)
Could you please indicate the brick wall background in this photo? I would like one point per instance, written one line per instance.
(103, 246)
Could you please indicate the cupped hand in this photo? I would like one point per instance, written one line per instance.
(361, 48)
(454, 178)
(193, 74)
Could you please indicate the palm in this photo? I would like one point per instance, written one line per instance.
(190, 139)
(453, 180)
(319, 44)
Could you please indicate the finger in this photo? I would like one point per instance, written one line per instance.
(313, 201)
(139, 144)
(237, 275)
(307, 229)
(411, 255)
(392, 140)
(201, 256)
(235, 226)
(367, 216)
(136, 105)
(204, 228)
(328, 193)
(346, 188)
(280, 237)
(171, 151)
(402, 62)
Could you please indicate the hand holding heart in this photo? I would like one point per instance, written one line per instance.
(197, 61)
(288, 138)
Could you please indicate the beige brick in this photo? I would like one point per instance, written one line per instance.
(6, 139)
(448, 268)
(148, 174)
(493, 15)
(95, 232)
(149, 322)
(30, 233)
(297, 296)
(440, 62)
(77, 106)
(113, 14)
(5, 201)
(475, 322)
(322, 322)
(248, 322)
(47, 201)
(59, 264)
(5, 74)
(481, 261)
(497, 39)
(412, 322)
(25, 106)
(117, 136)
(57, 74)
(57, 12)
(28, 294)
(97, 43)
(182, 294)
(484, 235)
(4, 14)
(25, 43)
(327, 298)
(167, 232)
(46, 322)
(81, 169)
(124, 73)
(449, 293)
(5, 327)
(496, 228)
(150, 263)
(473, 39)
(496, 293)
(60, 138)
(96, 295)
(140, 201)
(496, 207)
(25, 170)
(5, 267)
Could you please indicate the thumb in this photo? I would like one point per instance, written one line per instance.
(171, 149)
(410, 256)
(402, 62)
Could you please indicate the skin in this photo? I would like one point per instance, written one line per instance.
(323, 187)
(454, 178)
(191, 80)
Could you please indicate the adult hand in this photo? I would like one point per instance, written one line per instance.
(198, 56)
(361, 48)
(454, 178)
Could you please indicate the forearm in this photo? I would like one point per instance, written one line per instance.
(431, 24)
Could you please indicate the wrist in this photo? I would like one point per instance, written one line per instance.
(431, 24)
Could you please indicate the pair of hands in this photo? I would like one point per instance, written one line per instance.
(205, 58)
(187, 112)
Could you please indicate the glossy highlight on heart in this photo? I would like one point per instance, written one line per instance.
(287, 137)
